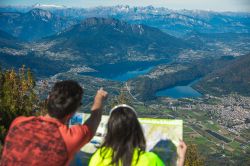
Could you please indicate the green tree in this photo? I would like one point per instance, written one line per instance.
(17, 97)
(122, 98)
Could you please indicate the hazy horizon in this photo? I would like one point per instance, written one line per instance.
(207, 5)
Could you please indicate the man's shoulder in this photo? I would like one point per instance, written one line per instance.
(21, 119)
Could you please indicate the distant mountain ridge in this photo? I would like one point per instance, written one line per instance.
(35, 24)
(177, 22)
(174, 22)
(108, 40)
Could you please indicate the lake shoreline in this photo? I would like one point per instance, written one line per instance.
(124, 71)
(180, 90)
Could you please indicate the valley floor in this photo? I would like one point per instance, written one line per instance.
(222, 138)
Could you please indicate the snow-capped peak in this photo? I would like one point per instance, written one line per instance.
(45, 15)
(38, 5)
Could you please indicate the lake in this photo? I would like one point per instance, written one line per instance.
(177, 92)
(123, 71)
(129, 70)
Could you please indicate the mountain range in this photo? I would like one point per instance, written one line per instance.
(93, 42)
(233, 78)
(35, 24)
(174, 22)
(108, 40)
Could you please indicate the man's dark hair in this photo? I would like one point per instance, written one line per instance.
(124, 135)
(64, 98)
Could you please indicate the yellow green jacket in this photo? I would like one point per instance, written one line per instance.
(145, 159)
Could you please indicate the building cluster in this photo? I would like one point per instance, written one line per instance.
(232, 112)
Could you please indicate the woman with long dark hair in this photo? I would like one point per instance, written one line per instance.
(125, 144)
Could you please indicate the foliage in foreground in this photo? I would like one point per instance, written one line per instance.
(17, 97)
(193, 158)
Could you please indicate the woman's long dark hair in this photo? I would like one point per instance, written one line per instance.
(124, 134)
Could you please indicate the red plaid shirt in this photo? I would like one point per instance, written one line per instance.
(42, 141)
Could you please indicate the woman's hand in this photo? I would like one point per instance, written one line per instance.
(181, 152)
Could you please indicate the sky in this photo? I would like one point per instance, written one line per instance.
(216, 5)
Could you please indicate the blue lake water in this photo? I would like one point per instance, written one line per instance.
(129, 70)
(123, 71)
(131, 74)
(180, 91)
